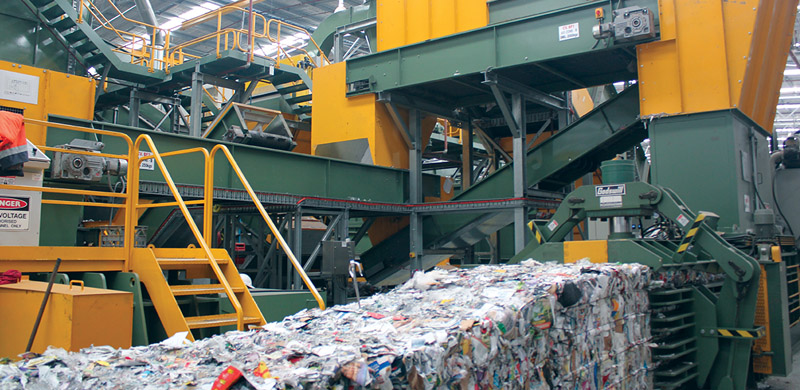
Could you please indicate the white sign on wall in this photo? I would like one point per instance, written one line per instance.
(19, 87)
(569, 31)
(149, 164)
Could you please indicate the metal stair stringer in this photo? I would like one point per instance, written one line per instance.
(150, 264)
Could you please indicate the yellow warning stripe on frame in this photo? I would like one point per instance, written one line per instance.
(739, 333)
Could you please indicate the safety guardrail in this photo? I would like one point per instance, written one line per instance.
(209, 186)
(129, 157)
(149, 55)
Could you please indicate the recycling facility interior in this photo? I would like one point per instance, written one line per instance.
(202, 166)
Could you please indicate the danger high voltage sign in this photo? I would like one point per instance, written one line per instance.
(14, 213)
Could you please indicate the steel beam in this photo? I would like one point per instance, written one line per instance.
(511, 86)
(297, 247)
(520, 176)
(512, 121)
(401, 126)
(415, 187)
(196, 110)
(221, 82)
(489, 144)
(538, 134)
(133, 109)
(362, 231)
(424, 105)
(466, 156)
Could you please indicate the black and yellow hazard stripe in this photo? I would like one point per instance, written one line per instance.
(536, 232)
(742, 333)
(690, 235)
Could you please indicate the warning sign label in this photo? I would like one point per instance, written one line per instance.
(14, 213)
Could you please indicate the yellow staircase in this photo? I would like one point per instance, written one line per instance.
(150, 263)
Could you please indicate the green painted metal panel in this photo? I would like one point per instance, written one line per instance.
(129, 281)
(275, 305)
(519, 42)
(777, 298)
(21, 42)
(504, 10)
(714, 150)
(65, 232)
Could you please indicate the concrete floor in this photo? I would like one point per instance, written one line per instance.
(791, 382)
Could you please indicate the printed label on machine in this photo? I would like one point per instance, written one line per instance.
(552, 225)
(609, 190)
(8, 180)
(611, 201)
(568, 31)
(149, 164)
(683, 220)
(14, 212)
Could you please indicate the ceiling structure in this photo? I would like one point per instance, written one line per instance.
(307, 14)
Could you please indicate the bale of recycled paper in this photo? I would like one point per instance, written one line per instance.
(527, 326)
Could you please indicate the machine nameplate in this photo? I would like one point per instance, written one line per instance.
(569, 31)
(611, 201)
(610, 190)
(14, 213)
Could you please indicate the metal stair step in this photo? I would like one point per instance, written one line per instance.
(63, 24)
(86, 47)
(50, 12)
(180, 263)
(75, 36)
(217, 320)
(302, 110)
(41, 3)
(299, 99)
(201, 289)
(96, 59)
(292, 88)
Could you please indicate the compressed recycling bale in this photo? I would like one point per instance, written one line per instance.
(531, 326)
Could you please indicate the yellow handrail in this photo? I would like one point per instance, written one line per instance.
(145, 57)
(209, 186)
(185, 211)
(128, 243)
(296, 28)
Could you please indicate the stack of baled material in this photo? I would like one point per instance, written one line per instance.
(527, 326)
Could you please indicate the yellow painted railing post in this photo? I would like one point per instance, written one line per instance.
(274, 229)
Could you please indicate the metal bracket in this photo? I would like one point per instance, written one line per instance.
(534, 95)
(401, 125)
